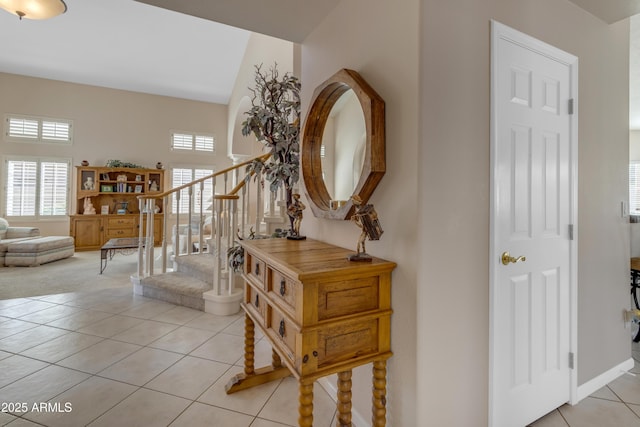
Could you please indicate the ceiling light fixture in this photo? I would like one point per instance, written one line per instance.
(34, 9)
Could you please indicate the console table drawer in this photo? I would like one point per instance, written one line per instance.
(283, 288)
(346, 341)
(286, 331)
(256, 302)
(344, 297)
(327, 345)
(255, 268)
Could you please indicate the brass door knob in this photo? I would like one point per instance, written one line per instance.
(507, 258)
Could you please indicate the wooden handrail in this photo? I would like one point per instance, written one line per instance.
(262, 158)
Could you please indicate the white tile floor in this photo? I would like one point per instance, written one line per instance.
(110, 358)
(615, 405)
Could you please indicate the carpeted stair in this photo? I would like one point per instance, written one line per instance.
(185, 286)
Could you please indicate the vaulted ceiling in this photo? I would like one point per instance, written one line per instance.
(135, 46)
(184, 48)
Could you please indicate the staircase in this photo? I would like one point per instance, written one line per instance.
(185, 286)
(183, 274)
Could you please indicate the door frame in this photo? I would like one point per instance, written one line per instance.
(502, 32)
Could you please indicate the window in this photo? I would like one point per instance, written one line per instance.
(181, 176)
(37, 129)
(634, 188)
(37, 188)
(193, 142)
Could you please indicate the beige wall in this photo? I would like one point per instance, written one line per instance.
(453, 292)
(111, 124)
(379, 39)
(263, 50)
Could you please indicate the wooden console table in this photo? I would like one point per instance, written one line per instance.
(322, 313)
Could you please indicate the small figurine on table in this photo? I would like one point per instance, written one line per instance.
(366, 218)
(295, 213)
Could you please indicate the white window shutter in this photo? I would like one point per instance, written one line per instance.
(207, 189)
(205, 143)
(634, 188)
(193, 142)
(21, 188)
(23, 128)
(37, 129)
(182, 141)
(55, 131)
(53, 188)
(181, 176)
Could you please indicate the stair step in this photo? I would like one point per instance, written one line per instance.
(198, 266)
(177, 288)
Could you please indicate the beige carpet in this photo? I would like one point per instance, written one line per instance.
(80, 272)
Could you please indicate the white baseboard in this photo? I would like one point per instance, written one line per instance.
(602, 380)
(332, 390)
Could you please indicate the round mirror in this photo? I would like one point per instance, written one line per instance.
(343, 149)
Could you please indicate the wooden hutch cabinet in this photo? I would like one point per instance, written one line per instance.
(113, 194)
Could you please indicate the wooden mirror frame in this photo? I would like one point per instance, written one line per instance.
(324, 98)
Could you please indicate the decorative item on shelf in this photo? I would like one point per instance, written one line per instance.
(138, 189)
(295, 212)
(121, 178)
(89, 185)
(366, 218)
(153, 186)
(104, 210)
(88, 207)
(159, 165)
(84, 163)
(34, 9)
(104, 176)
(121, 164)
(138, 178)
(274, 119)
(106, 188)
(121, 208)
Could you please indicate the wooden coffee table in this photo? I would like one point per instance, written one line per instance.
(124, 244)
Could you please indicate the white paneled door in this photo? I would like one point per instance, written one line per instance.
(533, 209)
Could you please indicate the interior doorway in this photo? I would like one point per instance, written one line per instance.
(534, 209)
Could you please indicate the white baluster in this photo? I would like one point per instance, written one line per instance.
(234, 225)
(217, 267)
(149, 238)
(140, 248)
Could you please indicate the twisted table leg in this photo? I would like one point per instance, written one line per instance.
(249, 346)
(379, 418)
(306, 404)
(276, 362)
(344, 399)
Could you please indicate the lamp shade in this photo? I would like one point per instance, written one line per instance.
(34, 9)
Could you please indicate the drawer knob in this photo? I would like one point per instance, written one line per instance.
(257, 302)
(305, 359)
(281, 330)
(257, 268)
(283, 287)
